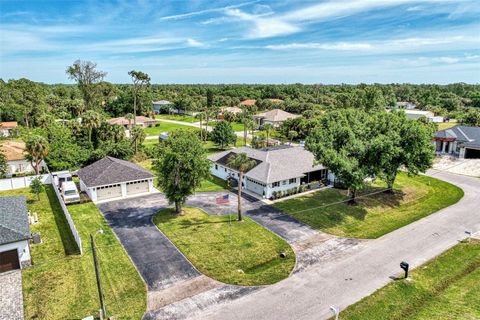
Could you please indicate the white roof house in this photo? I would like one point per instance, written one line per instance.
(274, 117)
(277, 169)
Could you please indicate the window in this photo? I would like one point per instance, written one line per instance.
(284, 182)
(216, 167)
(276, 184)
(225, 169)
(293, 180)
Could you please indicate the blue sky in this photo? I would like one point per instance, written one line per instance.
(333, 41)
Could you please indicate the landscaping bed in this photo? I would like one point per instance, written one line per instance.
(443, 288)
(243, 254)
(375, 215)
(61, 284)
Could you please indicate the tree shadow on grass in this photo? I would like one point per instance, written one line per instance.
(68, 241)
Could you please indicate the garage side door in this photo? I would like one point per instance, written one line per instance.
(136, 187)
(108, 192)
(9, 260)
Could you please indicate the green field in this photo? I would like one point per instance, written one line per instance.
(250, 258)
(375, 215)
(61, 284)
(443, 288)
(177, 117)
(166, 127)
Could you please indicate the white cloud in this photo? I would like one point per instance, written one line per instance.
(342, 46)
(201, 12)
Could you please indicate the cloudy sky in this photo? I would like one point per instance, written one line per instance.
(259, 41)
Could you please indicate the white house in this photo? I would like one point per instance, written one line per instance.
(111, 179)
(7, 127)
(160, 105)
(14, 233)
(277, 169)
(17, 164)
(458, 141)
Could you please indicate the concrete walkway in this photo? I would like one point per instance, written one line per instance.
(11, 296)
(341, 282)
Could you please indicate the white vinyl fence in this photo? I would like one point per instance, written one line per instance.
(75, 233)
(22, 182)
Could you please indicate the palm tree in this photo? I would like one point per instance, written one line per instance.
(292, 134)
(245, 117)
(129, 117)
(267, 127)
(137, 136)
(37, 149)
(118, 132)
(200, 117)
(242, 163)
(91, 120)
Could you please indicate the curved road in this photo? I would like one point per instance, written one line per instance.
(308, 295)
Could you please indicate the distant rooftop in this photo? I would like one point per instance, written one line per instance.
(468, 136)
(248, 102)
(13, 219)
(14, 150)
(276, 115)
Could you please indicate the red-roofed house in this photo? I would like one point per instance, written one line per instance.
(6, 127)
(248, 102)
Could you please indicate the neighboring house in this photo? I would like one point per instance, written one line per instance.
(17, 164)
(275, 117)
(417, 114)
(233, 110)
(14, 233)
(161, 105)
(142, 121)
(7, 127)
(278, 169)
(248, 102)
(459, 141)
(111, 178)
(403, 105)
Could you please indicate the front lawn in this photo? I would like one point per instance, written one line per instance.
(166, 127)
(375, 215)
(250, 258)
(177, 117)
(443, 288)
(61, 284)
(212, 184)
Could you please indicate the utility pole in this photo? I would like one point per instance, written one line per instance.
(97, 275)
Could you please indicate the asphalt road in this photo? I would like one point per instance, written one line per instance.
(308, 295)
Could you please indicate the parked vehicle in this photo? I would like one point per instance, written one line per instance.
(61, 177)
(69, 192)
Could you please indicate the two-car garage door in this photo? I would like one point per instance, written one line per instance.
(136, 187)
(108, 192)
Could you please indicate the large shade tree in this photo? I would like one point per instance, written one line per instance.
(242, 163)
(223, 134)
(140, 81)
(181, 165)
(87, 76)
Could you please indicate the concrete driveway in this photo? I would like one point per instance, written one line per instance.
(340, 283)
(158, 261)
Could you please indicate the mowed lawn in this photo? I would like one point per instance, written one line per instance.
(251, 256)
(443, 288)
(61, 284)
(166, 127)
(177, 117)
(377, 214)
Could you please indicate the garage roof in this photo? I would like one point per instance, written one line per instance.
(111, 170)
(13, 219)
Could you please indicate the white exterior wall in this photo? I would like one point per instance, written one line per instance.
(23, 250)
(222, 172)
(282, 187)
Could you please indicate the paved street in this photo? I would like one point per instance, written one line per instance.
(341, 282)
(11, 297)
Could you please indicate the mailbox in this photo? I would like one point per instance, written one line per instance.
(404, 265)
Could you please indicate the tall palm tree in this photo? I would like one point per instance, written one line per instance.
(91, 120)
(242, 163)
(118, 132)
(129, 117)
(267, 127)
(137, 135)
(200, 116)
(37, 149)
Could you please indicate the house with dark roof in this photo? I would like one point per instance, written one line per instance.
(277, 169)
(459, 141)
(14, 233)
(111, 179)
(275, 117)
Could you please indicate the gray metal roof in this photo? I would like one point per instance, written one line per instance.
(274, 164)
(111, 170)
(13, 219)
(467, 136)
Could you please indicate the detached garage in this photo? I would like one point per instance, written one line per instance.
(111, 179)
(14, 234)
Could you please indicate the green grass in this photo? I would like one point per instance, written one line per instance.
(443, 288)
(166, 127)
(251, 258)
(177, 117)
(61, 284)
(237, 126)
(212, 184)
(375, 215)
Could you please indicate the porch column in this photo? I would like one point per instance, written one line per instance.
(443, 146)
(450, 147)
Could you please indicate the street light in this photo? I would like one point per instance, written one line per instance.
(103, 312)
(335, 312)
